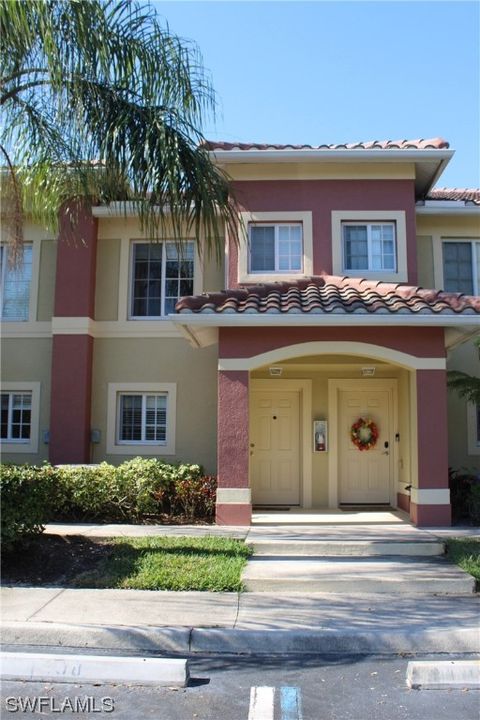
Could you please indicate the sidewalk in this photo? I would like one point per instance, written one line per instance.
(246, 623)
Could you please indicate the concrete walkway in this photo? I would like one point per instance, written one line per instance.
(254, 622)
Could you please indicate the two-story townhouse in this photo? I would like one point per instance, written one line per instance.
(323, 324)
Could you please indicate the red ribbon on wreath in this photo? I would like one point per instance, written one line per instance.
(364, 434)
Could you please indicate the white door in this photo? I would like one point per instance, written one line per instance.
(275, 447)
(364, 475)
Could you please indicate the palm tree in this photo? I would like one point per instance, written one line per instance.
(100, 101)
(466, 386)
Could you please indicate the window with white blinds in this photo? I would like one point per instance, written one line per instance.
(142, 418)
(15, 282)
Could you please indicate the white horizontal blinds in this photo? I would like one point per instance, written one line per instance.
(16, 410)
(162, 273)
(262, 248)
(369, 247)
(458, 267)
(179, 264)
(15, 285)
(143, 418)
(355, 247)
(155, 418)
(276, 248)
(289, 248)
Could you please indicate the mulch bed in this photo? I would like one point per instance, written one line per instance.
(48, 560)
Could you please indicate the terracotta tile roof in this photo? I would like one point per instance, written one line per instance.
(330, 294)
(421, 144)
(465, 194)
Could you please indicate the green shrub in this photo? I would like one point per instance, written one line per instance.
(86, 493)
(136, 490)
(474, 503)
(195, 497)
(28, 497)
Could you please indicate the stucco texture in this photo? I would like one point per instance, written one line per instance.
(152, 360)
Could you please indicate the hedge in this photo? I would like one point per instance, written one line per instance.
(138, 490)
(464, 496)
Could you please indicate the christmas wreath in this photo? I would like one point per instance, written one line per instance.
(364, 434)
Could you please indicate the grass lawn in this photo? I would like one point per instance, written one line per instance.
(466, 553)
(169, 563)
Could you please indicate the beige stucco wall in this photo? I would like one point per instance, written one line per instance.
(46, 280)
(466, 359)
(426, 277)
(113, 271)
(155, 360)
(29, 360)
(320, 411)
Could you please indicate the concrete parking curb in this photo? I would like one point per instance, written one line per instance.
(239, 641)
(54, 667)
(430, 675)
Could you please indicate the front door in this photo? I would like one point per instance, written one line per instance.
(364, 475)
(275, 447)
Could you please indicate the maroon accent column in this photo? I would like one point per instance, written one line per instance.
(432, 446)
(72, 355)
(233, 449)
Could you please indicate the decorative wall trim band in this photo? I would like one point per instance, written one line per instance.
(430, 496)
(234, 495)
(113, 328)
(377, 352)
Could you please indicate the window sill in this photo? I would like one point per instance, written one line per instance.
(17, 446)
(255, 278)
(140, 449)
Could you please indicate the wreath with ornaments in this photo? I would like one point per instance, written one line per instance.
(364, 434)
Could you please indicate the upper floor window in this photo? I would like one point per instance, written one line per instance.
(461, 267)
(162, 272)
(15, 285)
(276, 248)
(369, 246)
(16, 416)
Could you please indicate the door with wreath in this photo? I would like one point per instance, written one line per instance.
(365, 447)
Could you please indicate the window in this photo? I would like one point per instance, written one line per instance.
(369, 247)
(20, 404)
(141, 418)
(461, 267)
(161, 274)
(15, 286)
(16, 417)
(276, 248)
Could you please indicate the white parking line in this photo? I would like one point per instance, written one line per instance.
(262, 701)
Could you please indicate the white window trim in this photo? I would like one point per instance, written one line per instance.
(28, 446)
(369, 217)
(125, 282)
(294, 217)
(473, 445)
(352, 223)
(114, 447)
(438, 242)
(31, 321)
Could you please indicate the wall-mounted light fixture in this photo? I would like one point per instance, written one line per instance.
(275, 371)
(368, 371)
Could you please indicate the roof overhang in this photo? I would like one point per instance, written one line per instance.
(201, 329)
(429, 164)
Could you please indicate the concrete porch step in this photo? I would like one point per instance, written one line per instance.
(352, 548)
(403, 575)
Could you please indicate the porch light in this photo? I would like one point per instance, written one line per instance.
(368, 371)
(275, 371)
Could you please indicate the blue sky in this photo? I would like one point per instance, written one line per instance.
(315, 72)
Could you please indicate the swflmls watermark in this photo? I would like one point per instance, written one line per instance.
(46, 703)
